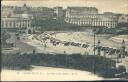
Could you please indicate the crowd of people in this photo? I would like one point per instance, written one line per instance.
(113, 51)
(56, 42)
(48, 36)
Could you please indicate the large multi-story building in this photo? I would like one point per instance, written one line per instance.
(11, 17)
(80, 11)
(22, 17)
(88, 16)
(15, 22)
(42, 13)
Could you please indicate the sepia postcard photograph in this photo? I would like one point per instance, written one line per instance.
(64, 40)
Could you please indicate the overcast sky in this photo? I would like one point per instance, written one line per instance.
(116, 6)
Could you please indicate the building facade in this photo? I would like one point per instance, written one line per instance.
(80, 11)
(90, 17)
(10, 18)
(93, 20)
(22, 17)
(12, 22)
(59, 14)
(42, 13)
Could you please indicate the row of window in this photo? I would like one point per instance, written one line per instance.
(101, 23)
(106, 23)
(89, 16)
(13, 24)
(87, 20)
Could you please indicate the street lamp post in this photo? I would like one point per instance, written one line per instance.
(94, 51)
(94, 40)
(123, 48)
(15, 40)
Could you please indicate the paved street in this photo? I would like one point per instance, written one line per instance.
(21, 45)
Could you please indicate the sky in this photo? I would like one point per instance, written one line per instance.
(116, 6)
